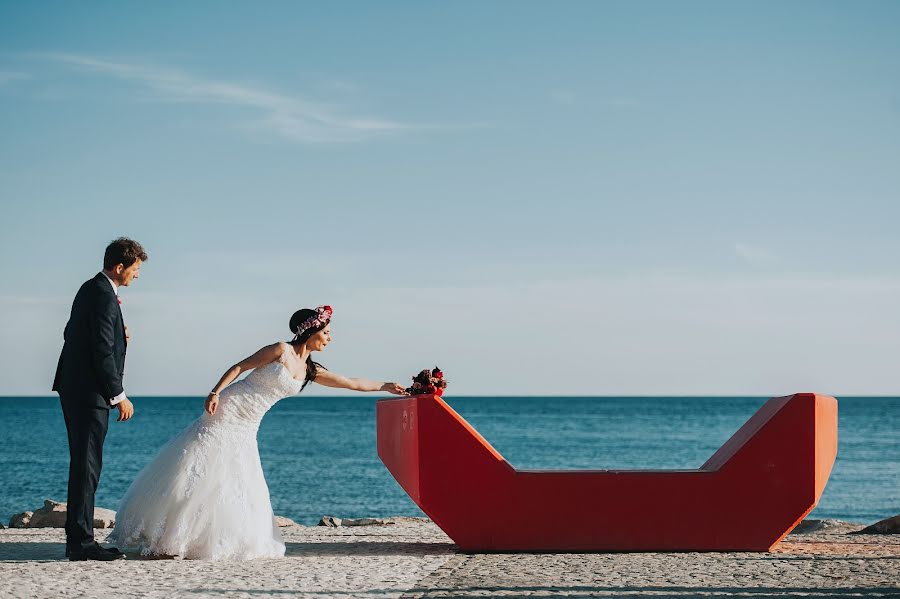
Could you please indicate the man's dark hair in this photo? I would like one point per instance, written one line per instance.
(123, 251)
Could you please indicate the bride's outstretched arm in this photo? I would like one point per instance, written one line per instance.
(332, 379)
(266, 355)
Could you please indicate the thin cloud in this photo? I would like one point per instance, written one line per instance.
(290, 117)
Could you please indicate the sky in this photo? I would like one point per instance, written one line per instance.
(542, 198)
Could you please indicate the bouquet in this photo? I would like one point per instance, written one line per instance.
(428, 381)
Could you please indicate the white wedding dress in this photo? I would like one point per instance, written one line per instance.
(204, 495)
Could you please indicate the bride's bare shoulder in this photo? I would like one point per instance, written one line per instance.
(274, 351)
(265, 355)
(282, 351)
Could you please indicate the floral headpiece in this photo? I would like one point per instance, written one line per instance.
(320, 318)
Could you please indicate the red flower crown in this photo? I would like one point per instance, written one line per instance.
(320, 318)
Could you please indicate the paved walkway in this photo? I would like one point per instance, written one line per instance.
(415, 559)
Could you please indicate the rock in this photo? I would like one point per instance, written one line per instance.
(811, 525)
(334, 521)
(281, 522)
(331, 521)
(20, 520)
(399, 519)
(365, 522)
(53, 515)
(104, 518)
(888, 526)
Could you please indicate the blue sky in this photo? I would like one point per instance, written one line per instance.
(542, 198)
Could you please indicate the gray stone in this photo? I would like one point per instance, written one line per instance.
(53, 515)
(334, 521)
(20, 520)
(104, 518)
(365, 522)
(281, 521)
(330, 521)
(888, 526)
(811, 525)
(405, 519)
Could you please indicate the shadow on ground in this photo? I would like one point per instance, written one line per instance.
(367, 548)
(28, 552)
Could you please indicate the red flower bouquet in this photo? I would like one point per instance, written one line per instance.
(428, 381)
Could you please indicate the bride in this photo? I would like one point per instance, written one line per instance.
(204, 495)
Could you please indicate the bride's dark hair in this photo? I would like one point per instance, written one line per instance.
(296, 320)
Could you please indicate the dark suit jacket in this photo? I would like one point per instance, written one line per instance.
(92, 362)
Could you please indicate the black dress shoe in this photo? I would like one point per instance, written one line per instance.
(77, 548)
(109, 549)
(95, 553)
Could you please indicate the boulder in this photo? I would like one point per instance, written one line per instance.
(20, 520)
(104, 518)
(281, 521)
(53, 515)
(888, 526)
(811, 525)
(401, 519)
(330, 521)
(365, 522)
(334, 521)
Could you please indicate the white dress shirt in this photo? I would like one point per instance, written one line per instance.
(118, 398)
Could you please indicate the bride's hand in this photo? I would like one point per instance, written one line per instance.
(212, 402)
(393, 388)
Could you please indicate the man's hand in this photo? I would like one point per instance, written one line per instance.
(126, 410)
(127, 335)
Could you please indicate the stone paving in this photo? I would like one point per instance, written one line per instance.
(415, 559)
(808, 566)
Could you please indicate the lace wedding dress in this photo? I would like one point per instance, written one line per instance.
(204, 495)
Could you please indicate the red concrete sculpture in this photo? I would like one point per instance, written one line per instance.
(746, 497)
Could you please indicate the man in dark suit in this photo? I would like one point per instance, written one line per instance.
(89, 383)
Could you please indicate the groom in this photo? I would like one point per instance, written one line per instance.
(89, 383)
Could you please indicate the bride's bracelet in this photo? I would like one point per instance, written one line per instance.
(216, 393)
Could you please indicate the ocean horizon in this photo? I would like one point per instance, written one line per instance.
(318, 452)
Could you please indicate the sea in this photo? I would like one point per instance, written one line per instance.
(319, 455)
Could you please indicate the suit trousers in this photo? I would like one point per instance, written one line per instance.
(86, 424)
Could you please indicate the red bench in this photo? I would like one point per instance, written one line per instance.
(746, 497)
